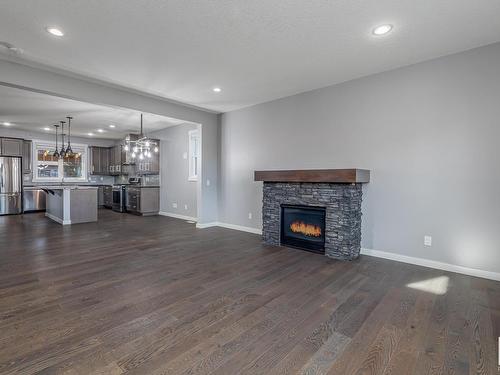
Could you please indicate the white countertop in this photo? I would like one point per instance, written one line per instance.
(62, 187)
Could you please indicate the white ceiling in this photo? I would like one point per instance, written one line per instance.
(255, 50)
(33, 111)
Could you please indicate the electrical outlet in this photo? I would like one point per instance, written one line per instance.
(185, 155)
(174, 205)
(427, 241)
(185, 206)
(250, 215)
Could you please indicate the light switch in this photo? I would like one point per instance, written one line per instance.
(427, 241)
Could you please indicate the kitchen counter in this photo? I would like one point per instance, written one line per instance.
(143, 200)
(61, 187)
(71, 204)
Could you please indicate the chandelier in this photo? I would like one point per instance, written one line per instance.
(141, 148)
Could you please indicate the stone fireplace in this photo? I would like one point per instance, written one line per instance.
(314, 210)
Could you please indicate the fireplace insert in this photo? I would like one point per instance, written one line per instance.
(303, 227)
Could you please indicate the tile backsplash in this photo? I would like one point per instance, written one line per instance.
(101, 180)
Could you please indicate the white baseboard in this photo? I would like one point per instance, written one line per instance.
(240, 227)
(432, 264)
(206, 225)
(384, 254)
(177, 216)
(229, 226)
(58, 219)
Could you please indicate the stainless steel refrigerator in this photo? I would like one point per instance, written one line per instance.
(11, 185)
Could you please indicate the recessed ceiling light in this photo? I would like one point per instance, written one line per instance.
(100, 130)
(46, 129)
(382, 29)
(112, 126)
(7, 124)
(55, 31)
(217, 89)
(90, 134)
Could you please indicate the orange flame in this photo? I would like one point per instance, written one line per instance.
(306, 229)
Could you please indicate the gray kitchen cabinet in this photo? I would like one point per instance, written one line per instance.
(99, 160)
(132, 200)
(111, 153)
(149, 202)
(104, 161)
(146, 167)
(95, 160)
(149, 165)
(27, 160)
(115, 160)
(154, 167)
(108, 196)
(119, 157)
(143, 200)
(155, 163)
(100, 196)
(142, 167)
(11, 147)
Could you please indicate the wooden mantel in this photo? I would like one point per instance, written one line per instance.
(339, 176)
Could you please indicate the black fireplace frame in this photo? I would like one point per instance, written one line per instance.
(315, 247)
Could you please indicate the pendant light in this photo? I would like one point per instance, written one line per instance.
(56, 153)
(63, 150)
(69, 150)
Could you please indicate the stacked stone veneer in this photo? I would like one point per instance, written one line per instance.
(343, 213)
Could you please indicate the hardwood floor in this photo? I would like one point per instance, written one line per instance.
(154, 295)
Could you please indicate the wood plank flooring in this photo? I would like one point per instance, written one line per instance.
(154, 295)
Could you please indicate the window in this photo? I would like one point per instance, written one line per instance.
(49, 168)
(194, 154)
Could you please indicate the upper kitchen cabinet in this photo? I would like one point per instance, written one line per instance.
(111, 152)
(149, 165)
(27, 161)
(95, 160)
(104, 160)
(116, 159)
(99, 160)
(119, 156)
(155, 163)
(11, 147)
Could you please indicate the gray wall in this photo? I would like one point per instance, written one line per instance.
(428, 132)
(64, 84)
(175, 187)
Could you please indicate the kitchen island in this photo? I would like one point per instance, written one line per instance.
(71, 204)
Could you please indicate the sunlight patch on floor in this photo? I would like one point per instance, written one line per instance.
(436, 285)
